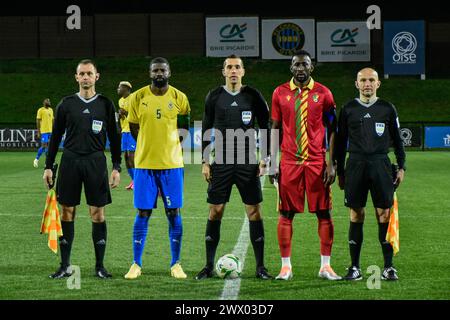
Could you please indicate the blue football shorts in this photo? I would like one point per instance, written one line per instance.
(128, 142)
(168, 182)
(45, 137)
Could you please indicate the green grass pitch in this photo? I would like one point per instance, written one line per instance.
(26, 261)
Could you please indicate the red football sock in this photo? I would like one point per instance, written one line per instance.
(284, 236)
(326, 234)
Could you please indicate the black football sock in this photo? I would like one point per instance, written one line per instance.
(65, 242)
(388, 251)
(355, 239)
(212, 237)
(99, 238)
(257, 239)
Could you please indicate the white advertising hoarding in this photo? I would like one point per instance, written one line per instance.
(282, 37)
(232, 35)
(343, 41)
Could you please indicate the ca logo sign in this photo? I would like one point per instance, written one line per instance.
(233, 33)
(344, 37)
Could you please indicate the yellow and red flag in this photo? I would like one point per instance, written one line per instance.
(392, 234)
(51, 221)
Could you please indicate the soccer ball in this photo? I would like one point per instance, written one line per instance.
(228, 267)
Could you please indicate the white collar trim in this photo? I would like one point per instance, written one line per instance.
(367, 105)
(87, 100)
(231, 92)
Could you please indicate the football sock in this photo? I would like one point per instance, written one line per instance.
(326, 235)
(284, 236)
(99, 234)
(40, 152)
(286, 261)
(65, 242)
(175, 235)
(257, 239)
(324, 260)
(212, 237)
(140, 229)
(355, 239)
(131, 173)
(388, 251)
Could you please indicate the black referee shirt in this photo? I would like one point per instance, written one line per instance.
(368, 129)
(225, 110)
(86, 123)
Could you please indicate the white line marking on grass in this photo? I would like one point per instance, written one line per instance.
(232, 287)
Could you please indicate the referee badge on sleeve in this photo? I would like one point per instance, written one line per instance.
(97, 126)
(379, 128)
(246, 117)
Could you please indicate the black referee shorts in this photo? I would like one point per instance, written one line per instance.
(244, 176)
(89, 171)
(368, 173)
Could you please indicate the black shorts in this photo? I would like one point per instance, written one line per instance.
(90, 171)
(364, 173)
(243, 175)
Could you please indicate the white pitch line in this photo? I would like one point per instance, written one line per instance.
(232, 287)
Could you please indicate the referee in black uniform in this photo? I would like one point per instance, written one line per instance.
(87, 118)
(232, 111)
(367, 126)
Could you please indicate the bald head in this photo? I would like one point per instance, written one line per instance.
(367, 83)
(367, 72)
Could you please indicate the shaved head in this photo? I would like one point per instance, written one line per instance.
(367, 83)
(367, 72)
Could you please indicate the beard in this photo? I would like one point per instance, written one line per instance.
(160, 82)
(301, 78)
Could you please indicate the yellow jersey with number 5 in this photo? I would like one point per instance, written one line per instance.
(158, 144)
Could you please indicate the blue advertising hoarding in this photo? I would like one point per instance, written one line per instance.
(404, 47)
(437, 137)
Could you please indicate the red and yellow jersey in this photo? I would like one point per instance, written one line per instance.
(46, 116)
(303, 113)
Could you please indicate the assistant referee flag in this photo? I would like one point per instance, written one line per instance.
(392, 234)
(51, 221)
